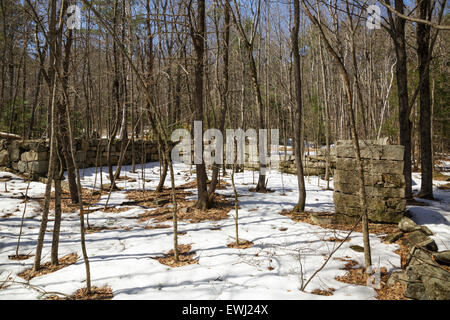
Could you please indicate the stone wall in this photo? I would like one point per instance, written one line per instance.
(384, 182)
(313, 165)
(31, 156)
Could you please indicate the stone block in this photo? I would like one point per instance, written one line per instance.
(378, 152)
(372, 191)
(14, 151)
(22, 166)
(34, 156)
(371, 166)
(4, 158)
(39, 167)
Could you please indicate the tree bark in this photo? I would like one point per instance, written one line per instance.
(298, 142)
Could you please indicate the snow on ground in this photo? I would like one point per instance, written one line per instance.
(123, 258)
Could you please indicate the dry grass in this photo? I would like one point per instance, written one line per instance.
(103, 293)
(47, 267)
(185, 257)
(243, 244)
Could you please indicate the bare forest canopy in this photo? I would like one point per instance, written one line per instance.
(130, 66)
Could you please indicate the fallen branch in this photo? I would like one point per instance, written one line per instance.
(11, 136)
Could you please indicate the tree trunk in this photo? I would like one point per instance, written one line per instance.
(199, 37)
(298, 142)
(423, 55)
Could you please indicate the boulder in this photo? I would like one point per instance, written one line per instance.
(34, 156)
(426, 230)
(391, 238)
(14, 150)
(419, 239)
(442, 257)
(357, 248)
(427, 280)
(408, 225)
(397, 276)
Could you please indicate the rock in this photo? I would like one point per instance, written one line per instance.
(22, 166)
(408, 225)
(34, 156)
(40, 167)
(419, 239)
(4, 158)
(357, 248)
(428, 244)
(14, 150)
(426, 230)
(391, 238)
(396, 277)
(427, 280)
(442, 257)
(379, 209)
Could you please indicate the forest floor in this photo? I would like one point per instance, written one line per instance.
(129, 245)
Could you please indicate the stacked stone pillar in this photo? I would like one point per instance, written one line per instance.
(384, 182)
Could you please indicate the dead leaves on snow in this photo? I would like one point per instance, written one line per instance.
(47, 267)
(103, 293)
(355, 275)
(305, 217)
(243, 244)
(185, 257)
(187, 211)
